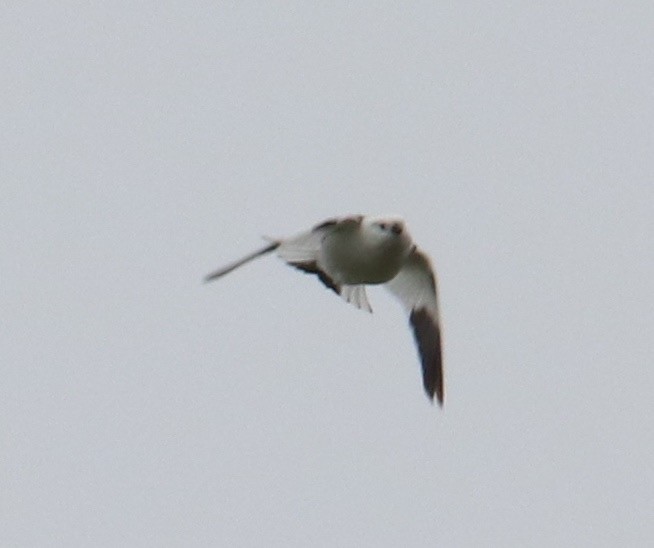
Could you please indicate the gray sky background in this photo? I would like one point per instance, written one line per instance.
(144, 145)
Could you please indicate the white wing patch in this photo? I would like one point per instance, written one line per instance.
(301, 248)
(415, 284)
(305, 247)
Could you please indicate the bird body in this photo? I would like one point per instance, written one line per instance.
(365, 253)
(348, 253)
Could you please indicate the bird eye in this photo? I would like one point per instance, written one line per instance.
(382, 226)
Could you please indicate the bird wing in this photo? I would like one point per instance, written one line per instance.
(415, 286)
(304, 247)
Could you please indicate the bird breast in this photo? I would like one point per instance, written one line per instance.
(355, 258)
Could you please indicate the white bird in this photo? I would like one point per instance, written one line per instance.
(348, 253)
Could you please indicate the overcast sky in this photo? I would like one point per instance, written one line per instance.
(144, 145)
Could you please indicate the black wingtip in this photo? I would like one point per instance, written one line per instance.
(211, 277)
(428, 339)
(439, 397)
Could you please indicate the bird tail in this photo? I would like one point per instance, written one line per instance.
(233, 266)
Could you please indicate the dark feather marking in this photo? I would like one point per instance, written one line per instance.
(353, 219)
(428, 338)
(311, 267)
(326, 224)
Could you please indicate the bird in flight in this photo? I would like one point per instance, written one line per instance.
(348, 253)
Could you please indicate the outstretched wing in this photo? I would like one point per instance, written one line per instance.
(415, 286)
